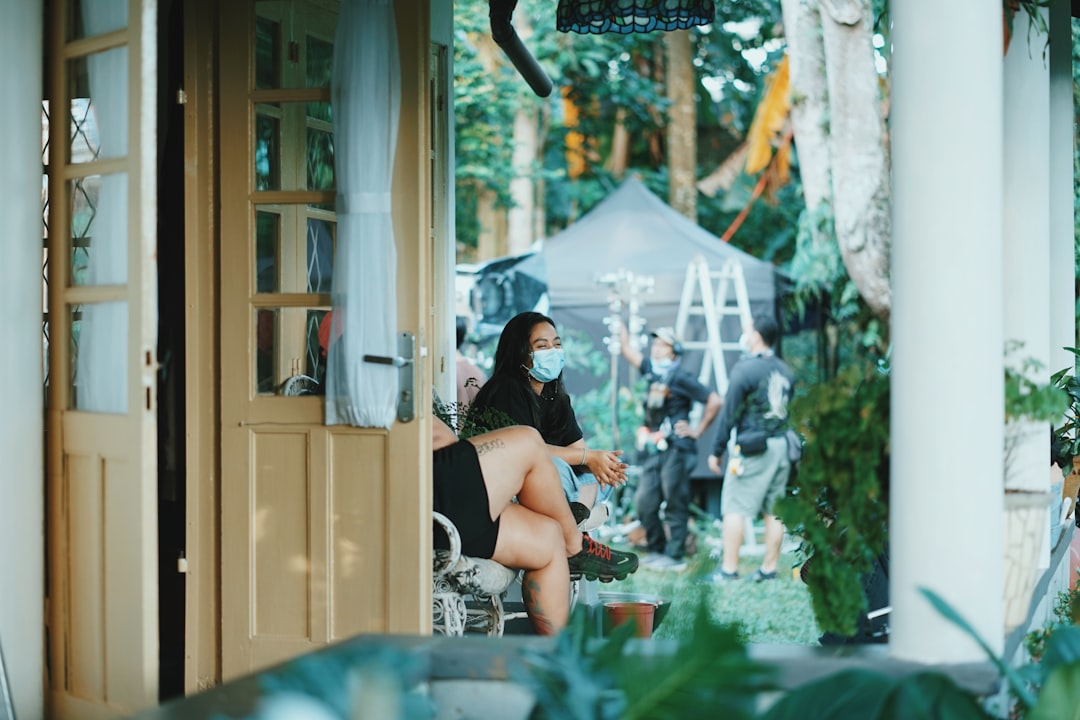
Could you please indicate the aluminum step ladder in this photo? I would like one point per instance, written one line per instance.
(716, 295)
(713, 295)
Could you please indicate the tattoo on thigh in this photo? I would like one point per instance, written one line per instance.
(489, 445)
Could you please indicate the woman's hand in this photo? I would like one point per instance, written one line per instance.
(607, 466)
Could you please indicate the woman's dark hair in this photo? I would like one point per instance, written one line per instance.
(514, 344)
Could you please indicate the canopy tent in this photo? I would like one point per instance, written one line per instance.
(634, 230)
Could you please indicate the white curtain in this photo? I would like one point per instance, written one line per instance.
(101, 366)
(366, 100)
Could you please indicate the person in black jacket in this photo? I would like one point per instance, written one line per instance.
(671, 445)
(755, 407)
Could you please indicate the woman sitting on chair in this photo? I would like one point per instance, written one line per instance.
(526, 384)
(475, 481)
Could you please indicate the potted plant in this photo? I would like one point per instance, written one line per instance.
(1067, 434)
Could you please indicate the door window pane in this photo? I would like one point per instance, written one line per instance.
(99, 229)
(95, 17)
(320, 60)
(294, 43)
(320, 254)
(99, 106)
(294, 249)
(99, 341)
(320, 154)
(294, 146)
(267, 242)
(267, 148)
(267, 53)
(290, 342)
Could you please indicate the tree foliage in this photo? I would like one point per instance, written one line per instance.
(840, 502)
(613, 79)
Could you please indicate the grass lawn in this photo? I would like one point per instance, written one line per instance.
(775, 611)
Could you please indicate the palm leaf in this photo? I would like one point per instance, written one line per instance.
(949, 613)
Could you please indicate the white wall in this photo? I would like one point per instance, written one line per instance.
(22, 478)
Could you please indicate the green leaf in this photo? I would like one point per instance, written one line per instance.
(854, 694)
(1016, 682)
(868, 695)
(1060, 696)
(932, 696)
(1062, 648)
(709, 671)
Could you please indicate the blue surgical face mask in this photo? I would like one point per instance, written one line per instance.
(547, 364)
(744, 342)
(662, 365)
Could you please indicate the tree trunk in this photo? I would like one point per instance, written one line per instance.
(860, 169)
(682, 125)
(489, 243)
(810, 105)
(619, 158)
(520, 218)
(836, 115)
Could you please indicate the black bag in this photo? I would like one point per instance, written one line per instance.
(752, 442)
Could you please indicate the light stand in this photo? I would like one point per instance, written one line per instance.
(624, 287)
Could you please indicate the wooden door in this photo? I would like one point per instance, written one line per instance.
(102, 463)
(322, 527)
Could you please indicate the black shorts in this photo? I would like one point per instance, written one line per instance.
(460, 494)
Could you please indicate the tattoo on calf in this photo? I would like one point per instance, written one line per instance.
(489, 445)
(530, 591)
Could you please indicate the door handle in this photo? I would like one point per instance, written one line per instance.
(403, 361)
(383, 360)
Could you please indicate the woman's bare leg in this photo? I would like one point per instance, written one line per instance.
(515, 462)
(534, 543)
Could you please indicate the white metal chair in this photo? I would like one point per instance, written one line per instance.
(458, 577)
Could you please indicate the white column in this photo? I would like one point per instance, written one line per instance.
(22, 481)
(1062, 273)
(947, 376)
(1027, 235)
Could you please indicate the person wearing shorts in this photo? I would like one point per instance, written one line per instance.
(755, 407)
(475, 482)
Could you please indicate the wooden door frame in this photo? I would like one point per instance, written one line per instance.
(202, 668)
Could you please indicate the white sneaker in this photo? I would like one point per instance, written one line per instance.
(658, 561)
(666, 562)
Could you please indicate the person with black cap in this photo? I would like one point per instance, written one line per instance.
(672, 443)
